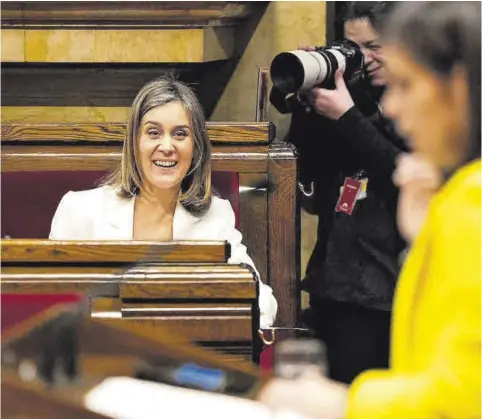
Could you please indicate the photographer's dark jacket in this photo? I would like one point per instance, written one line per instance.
(356, 257)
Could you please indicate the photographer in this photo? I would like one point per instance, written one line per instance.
(352, 272)
(432, 52)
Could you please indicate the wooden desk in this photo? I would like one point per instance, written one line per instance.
(106, 348)
(187, 286)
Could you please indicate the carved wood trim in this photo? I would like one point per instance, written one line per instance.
(114, 133)
(284, 234)
(187, 310)
(129, 14)
(152, 281)
(39, 251)
(22, 158)
(202, 329)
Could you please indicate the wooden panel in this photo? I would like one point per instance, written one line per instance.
(284, 254)
(100, 338)
(109, 365)
(94, 285)
(124, 14)
(201, 270)
(61, 111)
(219, 132)
(191, 282)
(125, 365)
(192, 310)
(33, 158)
(152, 281)
(223, 328)
(58, 269)
(116, 335)
(125, 341)
(200, 320)
(120, 339)
(209, 303)
(253, 218)
(39, 93)
(21, 399)
(209, 288)
(113, 252)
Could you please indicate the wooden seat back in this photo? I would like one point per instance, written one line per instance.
(266, 190)
(30, 198)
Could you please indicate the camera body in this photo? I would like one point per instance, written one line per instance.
(294, 73)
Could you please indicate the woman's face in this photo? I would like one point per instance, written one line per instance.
(430, 111)
(166, 146)
(362, 33)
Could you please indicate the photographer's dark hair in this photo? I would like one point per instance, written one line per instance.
(440, 36)
(376, 12)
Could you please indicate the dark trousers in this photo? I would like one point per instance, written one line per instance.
(356, 338)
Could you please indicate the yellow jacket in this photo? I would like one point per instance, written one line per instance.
(436, 329)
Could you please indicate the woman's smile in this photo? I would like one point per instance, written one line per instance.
(165, 164)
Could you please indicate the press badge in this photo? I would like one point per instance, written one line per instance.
(360, 182)
(348, 196)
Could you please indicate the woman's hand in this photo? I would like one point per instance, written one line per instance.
(311, 395)
(418, 181)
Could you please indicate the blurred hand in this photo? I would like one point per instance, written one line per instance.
(332, 103)
(311, 395)
(418, 181)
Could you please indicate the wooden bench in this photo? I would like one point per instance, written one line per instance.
(41, 162)
(188, 287)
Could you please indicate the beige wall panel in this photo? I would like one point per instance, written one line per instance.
(149, 46)
(122, 46)
(51, 114)
(59, 46)
(284, 26)
(13, 45)
(218, 43)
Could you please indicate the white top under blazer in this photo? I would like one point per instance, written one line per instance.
(100, 214)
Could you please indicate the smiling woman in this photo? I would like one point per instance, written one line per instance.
(165, 147)
(161, 190)
(166, 123)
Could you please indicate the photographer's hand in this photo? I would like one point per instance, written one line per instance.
(332, 103)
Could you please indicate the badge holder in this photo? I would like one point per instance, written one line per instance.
(349, 195)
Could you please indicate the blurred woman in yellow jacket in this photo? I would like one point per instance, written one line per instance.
(433, 60)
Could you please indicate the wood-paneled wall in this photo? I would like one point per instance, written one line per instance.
(85, 61)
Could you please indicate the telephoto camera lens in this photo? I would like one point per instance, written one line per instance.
(299, 70)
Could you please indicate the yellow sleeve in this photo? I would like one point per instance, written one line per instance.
(451, 385)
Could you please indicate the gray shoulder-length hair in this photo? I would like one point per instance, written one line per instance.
(196, 186)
